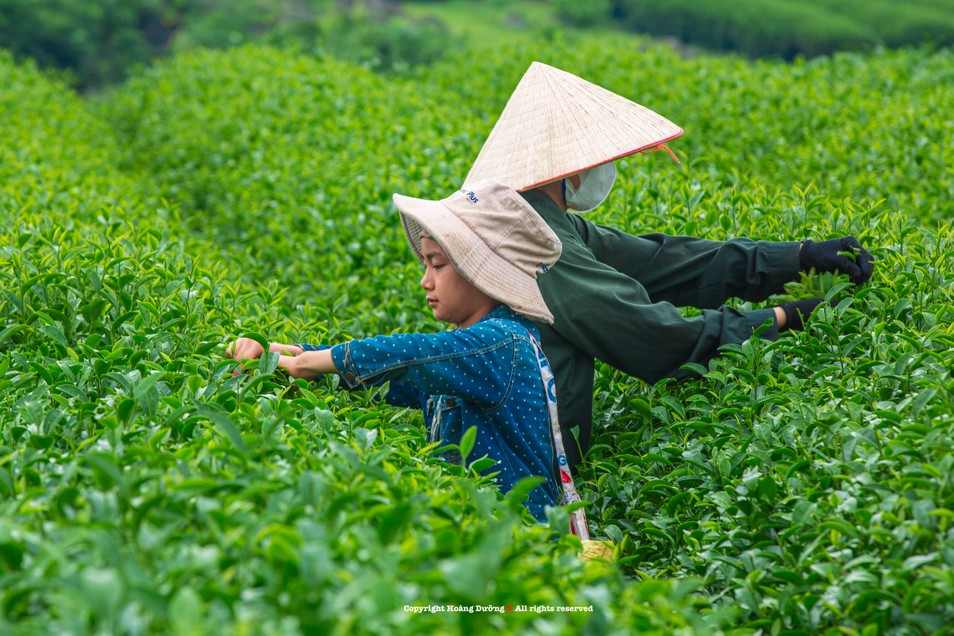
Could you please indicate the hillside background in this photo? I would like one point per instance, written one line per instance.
(102, 41)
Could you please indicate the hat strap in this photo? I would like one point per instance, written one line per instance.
(655, 149)
(577, 517)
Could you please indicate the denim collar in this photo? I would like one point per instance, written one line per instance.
(503, 311)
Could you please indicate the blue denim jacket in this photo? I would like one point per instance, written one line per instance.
(485, 376)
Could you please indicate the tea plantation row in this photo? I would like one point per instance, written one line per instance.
(807, 28)
(801, 485)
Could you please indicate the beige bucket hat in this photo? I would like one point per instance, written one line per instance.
(557, 124)
(495, 239)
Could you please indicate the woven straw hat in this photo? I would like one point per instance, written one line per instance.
(557, 124)
(497, 242)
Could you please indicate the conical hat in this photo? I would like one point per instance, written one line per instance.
(557, 124)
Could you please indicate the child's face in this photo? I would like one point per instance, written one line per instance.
(452, 299)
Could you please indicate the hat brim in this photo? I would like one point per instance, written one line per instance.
(584, 168)
(556, 124)
(474, 260)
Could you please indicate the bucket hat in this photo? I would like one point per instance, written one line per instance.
(557, 124)
(494, 238)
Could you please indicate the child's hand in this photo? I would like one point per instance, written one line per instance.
(243, 349)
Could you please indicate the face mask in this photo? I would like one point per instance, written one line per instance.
(595, 186)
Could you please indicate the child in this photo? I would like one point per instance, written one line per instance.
(482, 249)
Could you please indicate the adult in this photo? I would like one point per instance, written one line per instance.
(614, 296)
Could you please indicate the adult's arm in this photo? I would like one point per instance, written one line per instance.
(688, 271)
(611, 316)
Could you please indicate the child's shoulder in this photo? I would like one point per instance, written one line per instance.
(506, 322)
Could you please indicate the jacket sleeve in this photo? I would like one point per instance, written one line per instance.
(470, 363)
(398, 394)
(609, 315)
(687, 271)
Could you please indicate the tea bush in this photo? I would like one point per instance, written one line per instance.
(794, 486)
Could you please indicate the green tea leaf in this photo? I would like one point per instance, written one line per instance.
(467, 443)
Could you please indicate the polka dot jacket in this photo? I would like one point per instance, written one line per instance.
(485, 375)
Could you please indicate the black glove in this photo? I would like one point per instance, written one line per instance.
(824, 257)
(798, 311)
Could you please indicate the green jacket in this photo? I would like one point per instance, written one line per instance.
(614, 298)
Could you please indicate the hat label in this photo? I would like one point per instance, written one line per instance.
(471, 196)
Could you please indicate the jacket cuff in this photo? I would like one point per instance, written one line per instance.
(311, 347)
(344, 362)
(781, 259)
(759, 317)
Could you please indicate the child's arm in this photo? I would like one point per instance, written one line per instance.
(299, 363)
(246, 348)
(304, 361)
(469, 363)
(473, 364)
(309, 364)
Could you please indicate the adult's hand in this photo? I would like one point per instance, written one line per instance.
(833, 255)
(797, 312)
(794, 314)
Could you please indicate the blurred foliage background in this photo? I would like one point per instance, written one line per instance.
(99, 42)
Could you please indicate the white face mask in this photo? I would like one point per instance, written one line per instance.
(595, 186)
